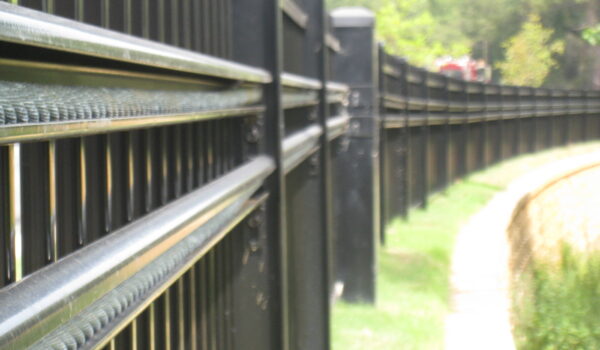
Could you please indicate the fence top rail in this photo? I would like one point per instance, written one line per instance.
(542, 92)
(509, 90)
(436, 80)
(475, 87)
(393, 66)
(28, 27)
(394, 61)
(333, 43)
(416, 75)
(525, 91)
(337, 87)
(576, 93)
(558, 93)
(455, 85)
(491, 89)
(392, 71)
(295, 13)
(300, 82)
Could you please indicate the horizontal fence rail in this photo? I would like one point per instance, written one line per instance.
(22, 26)
(201, 174)
(129, 265)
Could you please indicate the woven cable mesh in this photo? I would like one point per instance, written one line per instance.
(22, 103)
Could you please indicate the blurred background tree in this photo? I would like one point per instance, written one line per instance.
(410, 29)
(530, 54)
(592, 35)
(423, 30)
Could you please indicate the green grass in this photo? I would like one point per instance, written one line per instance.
(412, 289)
(413, 281)
(560, 308)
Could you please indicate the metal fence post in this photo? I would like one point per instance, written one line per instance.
(358, 204)
(383, 145)
(585, 105)
(406, 181)
(446, 181)
(425, 168)
(464, 136)
(308, 192)
(324, 73)
(257, 35)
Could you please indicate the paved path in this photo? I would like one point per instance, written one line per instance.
(480, 317)
(480, 305)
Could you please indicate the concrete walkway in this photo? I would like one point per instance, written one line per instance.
(480, 314)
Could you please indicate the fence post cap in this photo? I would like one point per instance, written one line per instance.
(352, 17)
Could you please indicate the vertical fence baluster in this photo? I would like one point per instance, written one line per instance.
(108, 203)
(15, 271)
(166, 300)
(79, 10)
(5, 216)
(175, 38)
(161, 21)
(131, 176)
(149, 141)
(145, 19)
(83, 193)
(53, 246)
(196, 29)
(130, 208)
(48, 6)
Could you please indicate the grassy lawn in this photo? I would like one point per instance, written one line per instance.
(413, 284)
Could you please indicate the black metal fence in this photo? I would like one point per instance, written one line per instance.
(155, 197)
(423, 131)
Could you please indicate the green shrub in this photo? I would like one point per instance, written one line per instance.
(562, 310)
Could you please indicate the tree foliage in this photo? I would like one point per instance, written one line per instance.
(592, 35)
(408, 28)
(529, 54)
(422, 30)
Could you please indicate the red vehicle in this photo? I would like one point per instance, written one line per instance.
(465, 69)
